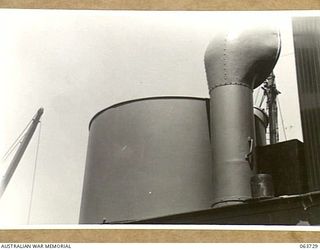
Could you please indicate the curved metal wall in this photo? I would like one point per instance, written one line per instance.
(148, 158)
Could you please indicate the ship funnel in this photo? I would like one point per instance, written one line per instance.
(236, 62)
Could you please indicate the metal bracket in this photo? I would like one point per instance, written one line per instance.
(250, 154)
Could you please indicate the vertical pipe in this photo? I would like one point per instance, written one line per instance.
(236, 62)
(232, 133)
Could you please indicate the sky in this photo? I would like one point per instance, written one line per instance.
(75, 63)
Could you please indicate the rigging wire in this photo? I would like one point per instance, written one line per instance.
(34, 172)
(282, 122)
(16, 142)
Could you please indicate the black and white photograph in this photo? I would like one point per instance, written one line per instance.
(159, 118)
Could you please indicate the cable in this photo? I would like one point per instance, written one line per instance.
(34, 172)
(16, 142)
(284, 131)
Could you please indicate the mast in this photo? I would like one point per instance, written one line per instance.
(270, 90)
(18, 155)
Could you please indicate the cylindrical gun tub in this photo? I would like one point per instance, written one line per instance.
(148, 158)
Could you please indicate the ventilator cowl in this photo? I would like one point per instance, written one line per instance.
(236, 61)
(242, 56)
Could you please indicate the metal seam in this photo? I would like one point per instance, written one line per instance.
(225, 60)
(229, 83)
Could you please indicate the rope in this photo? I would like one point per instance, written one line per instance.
(34, 172)
(16, 142)
(282, 123)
